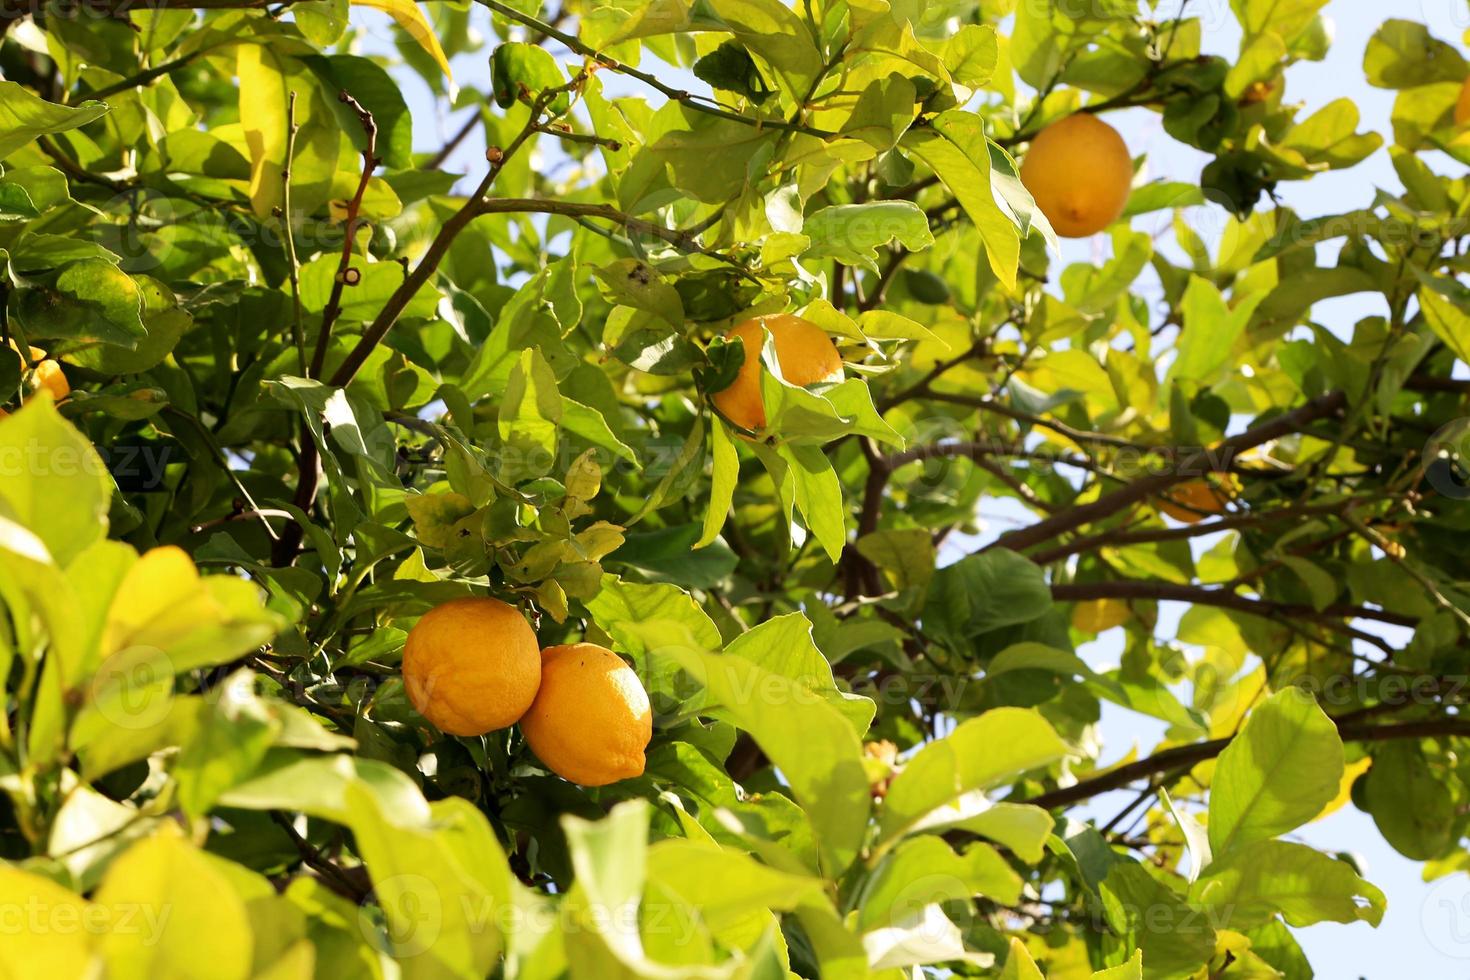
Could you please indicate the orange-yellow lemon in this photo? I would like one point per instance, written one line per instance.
(805, 352)
(591, 719)
(472, 665)
(1194, 500)
(1079, 171)
(48, 375)
(1462, 105)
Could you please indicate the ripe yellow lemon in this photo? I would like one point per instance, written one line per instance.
(1194, 500)
(805, 352)
(1080, 173)
(591, 720)
(1462, 105)
(471, 666)
(48, 375)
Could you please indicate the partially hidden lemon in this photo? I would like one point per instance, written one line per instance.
(591, 720)
(1194, 500)
(1462, 105)
(805, 352)
(1080, 173)
(472, 665)
(47, 374)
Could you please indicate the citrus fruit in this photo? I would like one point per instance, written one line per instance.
(1194, 500)
(1079, 171)
(591, 720)
(471, 665)
(48, 375)
(1462, 105)
(806, 355)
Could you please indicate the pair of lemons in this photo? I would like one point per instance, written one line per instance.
(473, 666)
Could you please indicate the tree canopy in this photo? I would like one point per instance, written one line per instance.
(276, 383)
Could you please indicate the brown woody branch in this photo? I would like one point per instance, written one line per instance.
(1181, 756)
(1214, 460)
(1124, 536)
(1135, 589)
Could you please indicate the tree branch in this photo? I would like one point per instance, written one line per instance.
(1214, 460)
(1202, 596)
(1189, 755)
(693, 101)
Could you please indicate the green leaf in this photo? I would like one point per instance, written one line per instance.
(55, 484)
(522, 72)
(925, 870)
(731, 68)
(1176, 940)
(1413, 809)
(851, 233)
(635, 283)
(1403, 54)
(266, 79)
(807, 739)
(1278, 773)
(981, 754)
(983, 592)
(435, 883)
(376, 281)
(1447, 319)
(529, 413)
(1019, 964)
(818, 495)
(378, 93)
(227, 742)
(725, 886)
(883, 111)
(50, 952)
(90, 300)
(971, 54)
(784, 646)
(24, 116)
(670, 555)
(321, 786)
(166, 873)
(724, 475)
(1211, 328)
(907, 555)
(961, 159)
(1196, 838)
(1260, 879)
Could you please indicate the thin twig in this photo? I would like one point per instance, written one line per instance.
(344, 275)
(288, 222)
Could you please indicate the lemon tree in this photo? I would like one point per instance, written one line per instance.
(693, 518)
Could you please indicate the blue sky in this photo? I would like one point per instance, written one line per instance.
(1426, 932)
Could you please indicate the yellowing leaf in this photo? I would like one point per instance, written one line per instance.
(1019, 964)
(46, 938)
(412, 20)
(1099, 615)
(162, 588)
(1350, 774)
(262, 93)
(180, 898)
